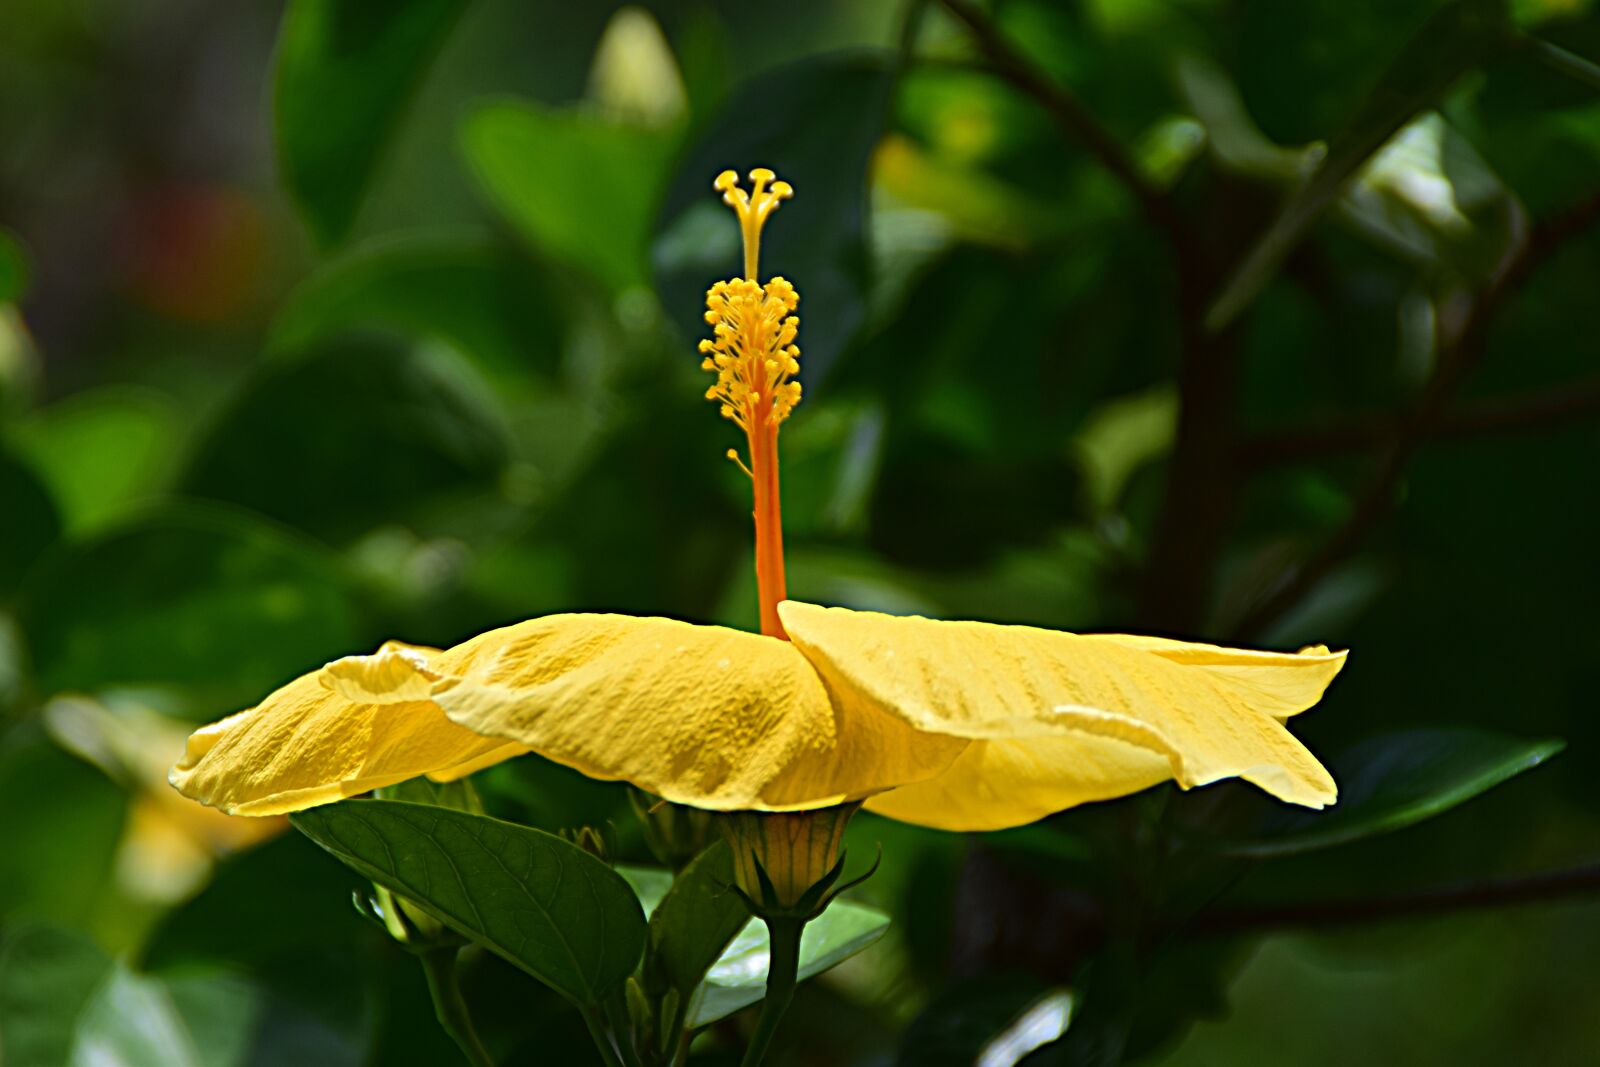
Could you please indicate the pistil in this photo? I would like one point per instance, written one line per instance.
(753, 354)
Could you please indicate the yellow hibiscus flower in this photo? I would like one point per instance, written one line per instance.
(955, 725)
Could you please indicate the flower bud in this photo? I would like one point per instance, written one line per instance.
(785, 862)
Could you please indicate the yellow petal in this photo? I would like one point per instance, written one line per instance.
(308, 744)
(1014, 683)
(997, 784)
(700, 715)
(396, 674)
(1279, 683)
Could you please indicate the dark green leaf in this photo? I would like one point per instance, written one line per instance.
(48, 977)
(579, 188)
(695, 920)
(58, 856)
(542, 903)
(31, 524)
(280, 914)
(1386, 784)
(466, 289)
(1457, 37)
(363, 431)
(287, 876)
(215, 603)
(816, 124)
(345, 72)
(13, 269)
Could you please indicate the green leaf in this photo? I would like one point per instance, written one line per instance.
(467, 289)
(1386, 784)
(64, 1001)
(1457, 37)
(132, 1022)
(31, 525)
(578, 187)
(13, 268)
(695, 920)
(215, 603)
(459, 795)
(345, 72)
(101, 452)
(816, 123)
(738, 978)
(57, 857)
(363, 431)
(48, 977)
(544, 904)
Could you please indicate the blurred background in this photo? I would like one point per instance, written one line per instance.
(1242, 320)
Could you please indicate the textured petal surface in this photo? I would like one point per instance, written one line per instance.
(700, 715)
(309, 744)
(997, 784)
(1018, 683)
(1279, 683)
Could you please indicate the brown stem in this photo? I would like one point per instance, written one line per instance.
(1535, 410)
(1075, 120)
(1197, 506)
(1459, 352)
(1438, 900)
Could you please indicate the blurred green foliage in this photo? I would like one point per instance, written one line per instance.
(329, 321)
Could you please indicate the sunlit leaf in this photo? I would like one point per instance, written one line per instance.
(544, 904)
(345, 71)
(635, 77)
(580, 188)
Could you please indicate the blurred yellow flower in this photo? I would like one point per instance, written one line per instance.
(169, 844)
(956, 725)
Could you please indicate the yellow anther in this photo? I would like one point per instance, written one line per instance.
(752, 353)
(752, 208)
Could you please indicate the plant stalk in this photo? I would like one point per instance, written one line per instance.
(601, 1037)
(439, 964)
(783, 970)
